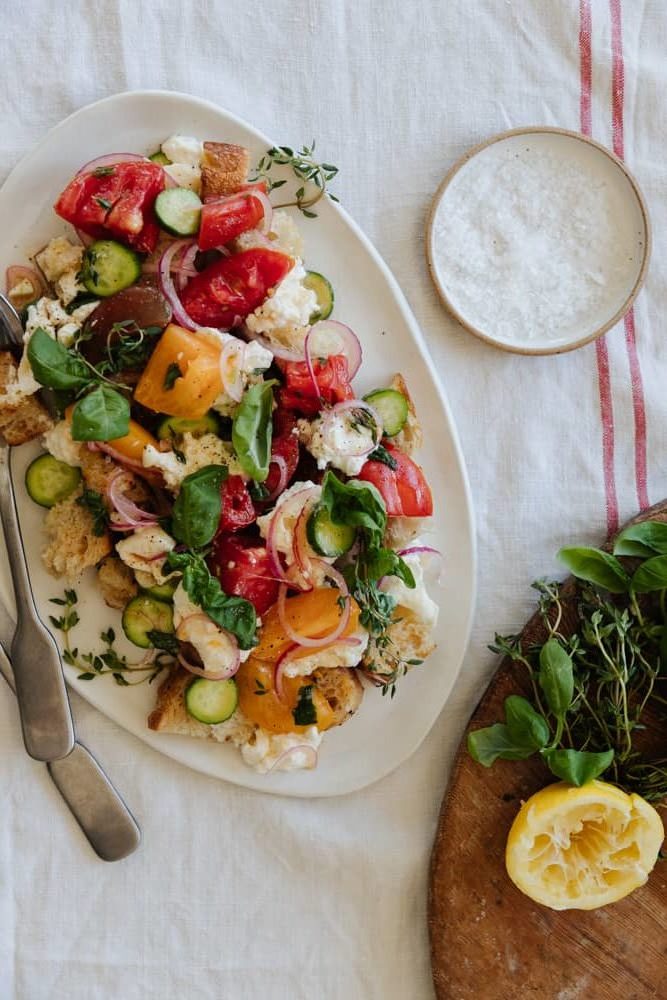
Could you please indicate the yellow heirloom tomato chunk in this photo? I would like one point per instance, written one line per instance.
(182, 377)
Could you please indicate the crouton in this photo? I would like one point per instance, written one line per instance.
(410, 640)
(8, 374)
(409, 439)
(342, 689)
(97, 470)
(57, 257)
(26, 422)
(116, 582)
(224, 169)
(171, 716)
(72, 545)
(400, 531)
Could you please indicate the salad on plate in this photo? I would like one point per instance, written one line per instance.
(208, 458)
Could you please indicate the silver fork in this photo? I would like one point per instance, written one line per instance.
(46, 717)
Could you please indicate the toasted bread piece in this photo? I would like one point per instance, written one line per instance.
(8, 369)
(410, 640)
(224, 169)
(171, 716)
(25, 422)
(342, 689)
(116, 582)
(410, 438)
(72, 546)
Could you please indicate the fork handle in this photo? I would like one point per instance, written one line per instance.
(46, 717)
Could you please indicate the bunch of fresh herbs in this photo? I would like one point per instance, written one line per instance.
(314, 176)
(592, 688)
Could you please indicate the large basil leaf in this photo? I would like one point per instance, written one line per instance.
(646, 539)
(651, 575)
(196, 512)
(252, 430)
(526, 727)
(53, 365)
(234, 614)
(487, 745)
(596, 567)
(102, 415)
(577, 766)
(556, 677)
(357, 504)
(385, 562)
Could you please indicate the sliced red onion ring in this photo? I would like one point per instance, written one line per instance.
(282, 480)
(16, 273)
(307, 344)
(325, 640)
(350, 405)
(310, 751)
(235, 657)
(348, 342)
(281, 663)
(287, 506)
(231, 356)
(110, 160)
(167, 286)
(415, 549)
(129, 512)
(278, 352)
(300, 547)
(186, 267)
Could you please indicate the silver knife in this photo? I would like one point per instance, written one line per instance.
(95, 804)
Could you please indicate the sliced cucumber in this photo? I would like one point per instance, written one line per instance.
(211, 701)
(108, 267)
(178, 211)
(49, 481)
(162, 591)
(144, 614)
(325, 295)
(159, 157)
(172, 427)
(327, 538)
(392, 407)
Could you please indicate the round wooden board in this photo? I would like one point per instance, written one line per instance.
(488, 940)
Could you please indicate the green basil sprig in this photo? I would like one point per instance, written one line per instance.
(196, 511)
(252, 430)
(232, 613)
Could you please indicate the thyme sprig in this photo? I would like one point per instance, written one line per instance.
(314, 176)
(109, 661)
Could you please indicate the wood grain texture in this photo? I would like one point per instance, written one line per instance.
(488, 940)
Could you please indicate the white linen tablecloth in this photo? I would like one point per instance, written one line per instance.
(240, 896)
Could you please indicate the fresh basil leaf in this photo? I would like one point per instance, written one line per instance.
(487, 745)
(304, 712)
(252, 430)
(596, 567)
(196, 511)
(556, 677)
(102, 415)
(53, 365)
(644, 540)
(232, 613)
(651, 575)
(385, 562)
(171, 375)
(525, 726)
(577, 766)
(380, 454)
(355, 503)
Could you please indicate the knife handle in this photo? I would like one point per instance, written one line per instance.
(46, 717)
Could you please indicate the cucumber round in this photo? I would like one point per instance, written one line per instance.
(172, 427)
(162, 591)
(327, 538)
(160, 157)
(108, 267)
(144, 614)
(323, 289)
(392, 408)
(179, 211)
(211, 701)
(49, 481)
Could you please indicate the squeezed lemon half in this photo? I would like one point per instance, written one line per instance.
(579, 848)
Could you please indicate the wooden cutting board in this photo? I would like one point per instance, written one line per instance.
(488, 940)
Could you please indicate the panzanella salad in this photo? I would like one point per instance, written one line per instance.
(207, 454)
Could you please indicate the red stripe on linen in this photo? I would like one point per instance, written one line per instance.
(636, 380)
(601, 352)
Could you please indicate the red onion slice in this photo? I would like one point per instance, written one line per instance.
(232, 356)
(280, 511)
(348, 343)
(278, 352)
(415, 549)
(281, 663)
(310, 751)
(282, 480)
(110, 160)
(129, 512)
(307, 344)
(168, 288)
(343, 621)
(303, 553)
(330, 415)
(185, 268)
(233, 646)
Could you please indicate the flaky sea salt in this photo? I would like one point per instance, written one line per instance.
(538, 240)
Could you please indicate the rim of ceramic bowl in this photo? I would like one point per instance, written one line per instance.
(598, 331)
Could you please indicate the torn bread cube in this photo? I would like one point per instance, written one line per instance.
(224, 169)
